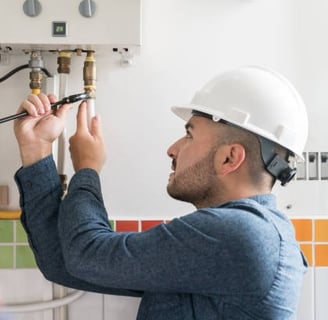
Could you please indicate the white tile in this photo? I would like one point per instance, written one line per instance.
(306, 303)
(321, 285)
(45, 315)
(21, 285)
(89, 306)
(121, 308)
(25, 286)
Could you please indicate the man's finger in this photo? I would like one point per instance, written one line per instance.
(82, 119)
(96, 126)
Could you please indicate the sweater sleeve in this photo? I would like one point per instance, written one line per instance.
(40, 199)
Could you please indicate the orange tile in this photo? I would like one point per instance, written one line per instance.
(127, 225)
(307, 251)
(303, 229)
(321, 230)
(321, 255)
(147, 224)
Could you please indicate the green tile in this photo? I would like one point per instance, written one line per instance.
(6, 257)
(112, 223)
(24, 257)
(6, 231)
(20, 233)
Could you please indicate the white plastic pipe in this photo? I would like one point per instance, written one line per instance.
(44, 305)
(60, 292)
(91, 109)
(62, 139)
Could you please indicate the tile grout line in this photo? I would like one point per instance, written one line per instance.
(14, 245)
(314, 286)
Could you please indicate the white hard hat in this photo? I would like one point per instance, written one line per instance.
(256, 99)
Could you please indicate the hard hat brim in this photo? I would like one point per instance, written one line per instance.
(186, 112)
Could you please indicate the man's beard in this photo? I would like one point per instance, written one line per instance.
(196, 183)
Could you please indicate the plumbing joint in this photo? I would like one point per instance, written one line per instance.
(89, 74)
(64, 62)
(36, 74)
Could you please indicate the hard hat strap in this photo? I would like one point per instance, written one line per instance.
(276, 165)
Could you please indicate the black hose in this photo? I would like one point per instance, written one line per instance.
(46, 72)
(19, 68)
(12, 72)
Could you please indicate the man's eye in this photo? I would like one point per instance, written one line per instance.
(188, 135)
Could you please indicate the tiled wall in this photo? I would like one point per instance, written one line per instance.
(16, 258)
(312, 234)
(15, 253)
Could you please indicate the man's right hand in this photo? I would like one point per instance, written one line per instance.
(35, 133)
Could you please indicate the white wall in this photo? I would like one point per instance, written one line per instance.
(185, 43)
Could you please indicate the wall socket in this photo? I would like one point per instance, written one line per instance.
(4, 195)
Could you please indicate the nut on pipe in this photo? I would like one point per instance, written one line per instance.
(36, 79)
(64, 62)
(36, 65)
(63, 181)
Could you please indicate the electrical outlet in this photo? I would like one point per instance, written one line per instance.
(4, 196)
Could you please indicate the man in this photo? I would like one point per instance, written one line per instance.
(235, 257)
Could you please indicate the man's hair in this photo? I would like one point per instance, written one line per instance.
(257, 171)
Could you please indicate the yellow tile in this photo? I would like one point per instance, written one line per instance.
(303, 229)
(321, 230)
(307, 251)
(321, 255)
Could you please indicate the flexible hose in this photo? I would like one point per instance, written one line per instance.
(46, 72)
(12, 72)
(44, 305)
(22, 67)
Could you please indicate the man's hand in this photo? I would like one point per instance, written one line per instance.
(87, 147)
(36, 132)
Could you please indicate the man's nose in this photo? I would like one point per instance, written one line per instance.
(173, 150)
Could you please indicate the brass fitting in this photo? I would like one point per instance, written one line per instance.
(36, 81)
(64, 62)
(36, 65)
(89, 74)
(64, 183)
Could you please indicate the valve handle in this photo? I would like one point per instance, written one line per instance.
(87, 8)
(32, 8)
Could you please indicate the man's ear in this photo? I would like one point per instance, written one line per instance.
(229, 158)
